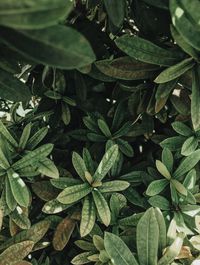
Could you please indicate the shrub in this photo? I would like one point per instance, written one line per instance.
(99, 132)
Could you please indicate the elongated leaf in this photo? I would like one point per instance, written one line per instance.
(44, 190)
(162, 242)
(81, 258)
(115, 185)
(4, 163)
(181, 128)
(54, 206)
(88, 161)
(156, 187)
(74, 193)
(118, 251)
(33, 157)
(10, 200)
(20, 218)
(104, 128)
(147, 238)
(88, 216)
(48, 168)
(172, 251)
(195, 100)
(19, 189)
(37, 138)
(145, 51)
(56, 46)
(187, 164)
(116, 11)
(32, 15)
(12, 88)
(79, 165)
(25, 135)
(160, 202)
(106, 163)
(167, 159)
(189, 146)
(4, 131)
(102, 207)
(63, 233)
(179, 187)
(175, 71)
(16, 253)
(35, 233)
(127, 68)
(163, 169)
(173, 143)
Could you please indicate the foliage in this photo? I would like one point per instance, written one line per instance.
(100, 132)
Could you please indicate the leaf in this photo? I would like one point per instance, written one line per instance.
(167, 159)
(48, 168)
(147, 238)
(19, 188)
(102, 207)
(57, 46)
(16, 253)
(115, 185)
(189, 146)
(104, 128)
(116, 11)
(156, 187)
(88, 161)
(12, 88)
(118, 251)
(35, 233)
(74, 193)
(20, 218)
(106, 163)
(172, 251)
(146, 51)
(37, 138)
(54, 206)
(163, 169)
(195, 99)
(44, 190)
(187, 164)
(33, 15)
(181, 128)
(33, 156)
(179, 187)
(160, 202)
(173, 143)
(64, 182)
(79, 165)
(10, 200)
(81, 258)
(127, 68)
(63, 233)
(4, 131)
(25, 135)
(175, 71)
(88, 216)
(125, 147)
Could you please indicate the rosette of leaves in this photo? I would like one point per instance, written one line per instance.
(187, 141)
(92, 188)
(19, 160)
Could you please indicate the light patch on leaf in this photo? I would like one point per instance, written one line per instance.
(179, 12)
(21, 183)
(15, 175)
(57, 209)
(19, 210)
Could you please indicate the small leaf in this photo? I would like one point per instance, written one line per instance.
(118, 251)
(189, 146)
(37, 138)
(167, 159)
(160, 202)
(115, 185)
(4, 131)
(88, 216)
(25, 135)
(48, 168)
(79, 165)
(104, 128)
(102, 207)
(163, 169)
(156, 186)
(195, 99)
(116, 11)
(74, 193)
(181, 128)
(179, 187)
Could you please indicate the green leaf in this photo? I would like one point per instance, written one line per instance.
(181, 128)
(156, 187)
(172, 251)
(146, 51)
(37, 138)
(147, 238)
(175, 71)
(56, 46)
(106, 163)
(162, 242)
(179, 187)
(102, 207)
(173, 143)
(115, 185)
(74, 193)
(190, 180)
(183, 44)
(10, 200)
(54, 206)
(116, 11)
(48, 168)
(163, 169)
(20, 218)
(104, 128)
(79, 165)
(118, 251)
(88, 161)
(4, 131)
(195, 99)
(33, 157)
(127, 68)
(160, 202)
(184, 22)
(81, 258)
(4, 163)
(187, 164)
(16, 253)
(12, 88)
(167, 159)
(19, 189)
(33, 15)
(25, 136)
(125, 147)
(88, 216)
(189, 146)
